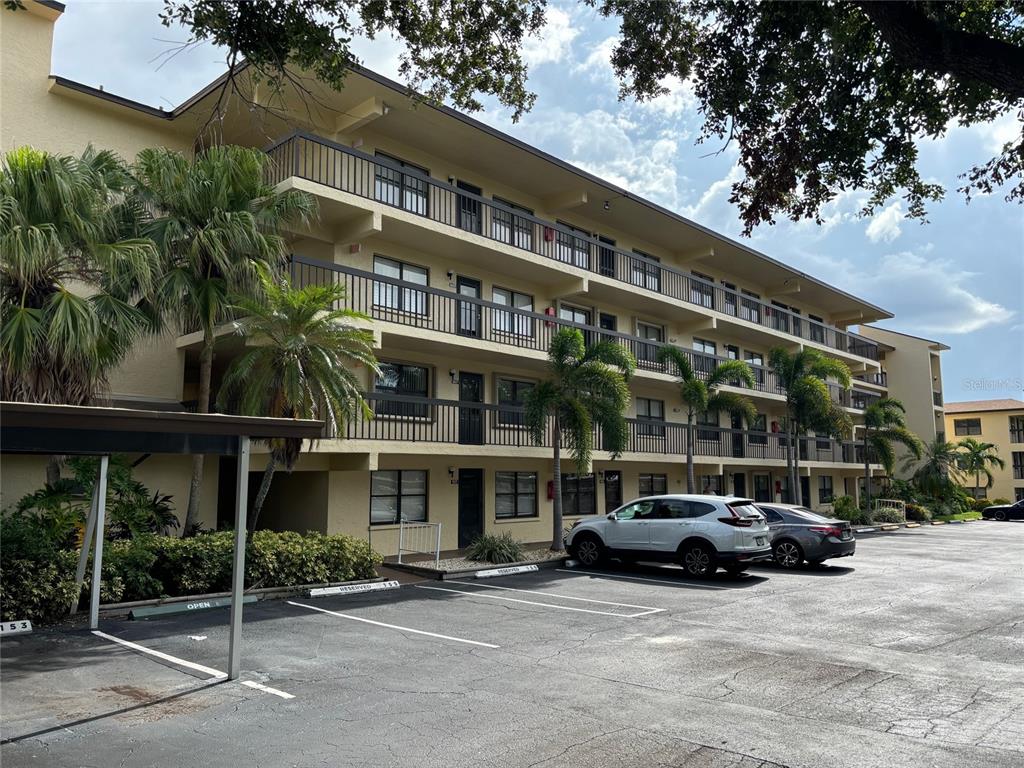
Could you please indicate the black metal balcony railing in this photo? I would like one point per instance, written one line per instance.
(392, 300)
(881, 378)
(425, 420)
(349, 170)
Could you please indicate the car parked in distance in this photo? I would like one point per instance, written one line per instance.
(701, 533)
(798, 534)
(1004, 511)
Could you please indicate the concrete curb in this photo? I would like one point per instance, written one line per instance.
(911, 525)
(262, 592)
(466, 572)
(938, 522)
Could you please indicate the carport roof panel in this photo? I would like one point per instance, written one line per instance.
(33, 427)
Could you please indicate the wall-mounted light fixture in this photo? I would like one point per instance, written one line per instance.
(600, 476)
(453, 478)
(607, 205)
(454, 375)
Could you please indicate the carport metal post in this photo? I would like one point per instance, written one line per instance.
(238, 569)
(83, 556)
(97, 553)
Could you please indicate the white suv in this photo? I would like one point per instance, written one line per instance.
(699, 532)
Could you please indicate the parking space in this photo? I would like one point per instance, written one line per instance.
(907, 654)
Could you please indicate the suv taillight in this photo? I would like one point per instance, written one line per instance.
(827, 530)
(736, 520)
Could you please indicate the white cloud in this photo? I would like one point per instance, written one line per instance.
(885, 226)
(597, 65)
(554, 44)
(677, 102)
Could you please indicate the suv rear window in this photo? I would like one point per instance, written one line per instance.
(746, 510)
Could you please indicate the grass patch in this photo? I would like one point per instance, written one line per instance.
(960, 516)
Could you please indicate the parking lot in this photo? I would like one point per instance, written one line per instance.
(911, 653)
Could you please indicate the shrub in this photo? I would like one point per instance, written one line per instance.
(845, 508)
(999, 502)
(979, 504)
(886, 516)
(41, 591)
(496, 549)
(918, 513)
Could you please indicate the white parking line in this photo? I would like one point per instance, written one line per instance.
(553, 594)
(640, 578)
(214, 674)
(267, 689)
(393, 626)
(481, 593)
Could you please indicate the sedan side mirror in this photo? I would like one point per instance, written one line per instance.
(611, 516)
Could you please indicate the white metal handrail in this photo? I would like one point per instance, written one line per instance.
(419, 539)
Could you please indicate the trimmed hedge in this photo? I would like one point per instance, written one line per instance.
(165, 566)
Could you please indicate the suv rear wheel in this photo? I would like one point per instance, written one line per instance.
(588, 549)
(697, 560)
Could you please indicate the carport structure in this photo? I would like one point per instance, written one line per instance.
(33, 428)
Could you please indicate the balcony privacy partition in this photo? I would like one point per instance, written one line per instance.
(325, 162)
(392, 300)
(403, 418)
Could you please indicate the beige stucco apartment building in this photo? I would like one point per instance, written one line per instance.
(1000, 422)
(470, 249)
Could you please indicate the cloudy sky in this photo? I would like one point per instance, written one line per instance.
(958, 279)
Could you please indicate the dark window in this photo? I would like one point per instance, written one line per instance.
(1017, 429)
(1018, 494)
(398, 494)
(756, 362)
(512, 392)
(579, 495)
(750, 306)
(702, 290)
(701, 508)
(759, 430)
(571, 245)
(653, 485)
(704, 353)
(406, 380)
(510, 227)
(512, 322)
(645, 271)
(515, 494)
(390, 296)
(707, 419)
(771, 515)
(825, 491)
(649, 352)
(405, 187)
(1018, 465)
(963, 427)
(711, 484)
(651, 414)
(817, 326)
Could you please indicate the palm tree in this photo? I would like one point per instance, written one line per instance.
(802, 375)
(72, 276)
(298, 365)
(702, 395)
(975, 459)
(940, 464)
(215, 221)
(586, 386)
(884, 426)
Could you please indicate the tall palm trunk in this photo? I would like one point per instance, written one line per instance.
(195, 487)
(556, 502)
(867, 473)
(261, 495)
(53, 470)
(691, 481)
(795, 493)
(977, 483)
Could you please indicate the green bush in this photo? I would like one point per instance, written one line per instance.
(845, 508)
(999, 502)
(496, 549)
(39, 585)
(979, 504)
(886, 516)
(41, 591)
(918, 513)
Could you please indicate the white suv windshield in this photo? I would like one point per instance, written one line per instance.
(746, 510)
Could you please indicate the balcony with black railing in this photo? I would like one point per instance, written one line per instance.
(427, 421)
(321, 161)
(390, 300)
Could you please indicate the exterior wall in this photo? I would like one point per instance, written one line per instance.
(995, 429)
(296, 502)
(914, 369)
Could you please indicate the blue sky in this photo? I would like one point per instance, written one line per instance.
(958, 278)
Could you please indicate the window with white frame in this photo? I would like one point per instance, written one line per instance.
(650, 332)
(398, 494)
(389, 296)
(964, 427)
(512, 322)
(702, 290)
(571, 245)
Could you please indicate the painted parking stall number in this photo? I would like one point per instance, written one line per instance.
(20, 627)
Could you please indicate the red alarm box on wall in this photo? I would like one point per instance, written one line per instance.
(551, 490)
(550, 312)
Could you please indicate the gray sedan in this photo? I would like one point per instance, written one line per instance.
(797, 534)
